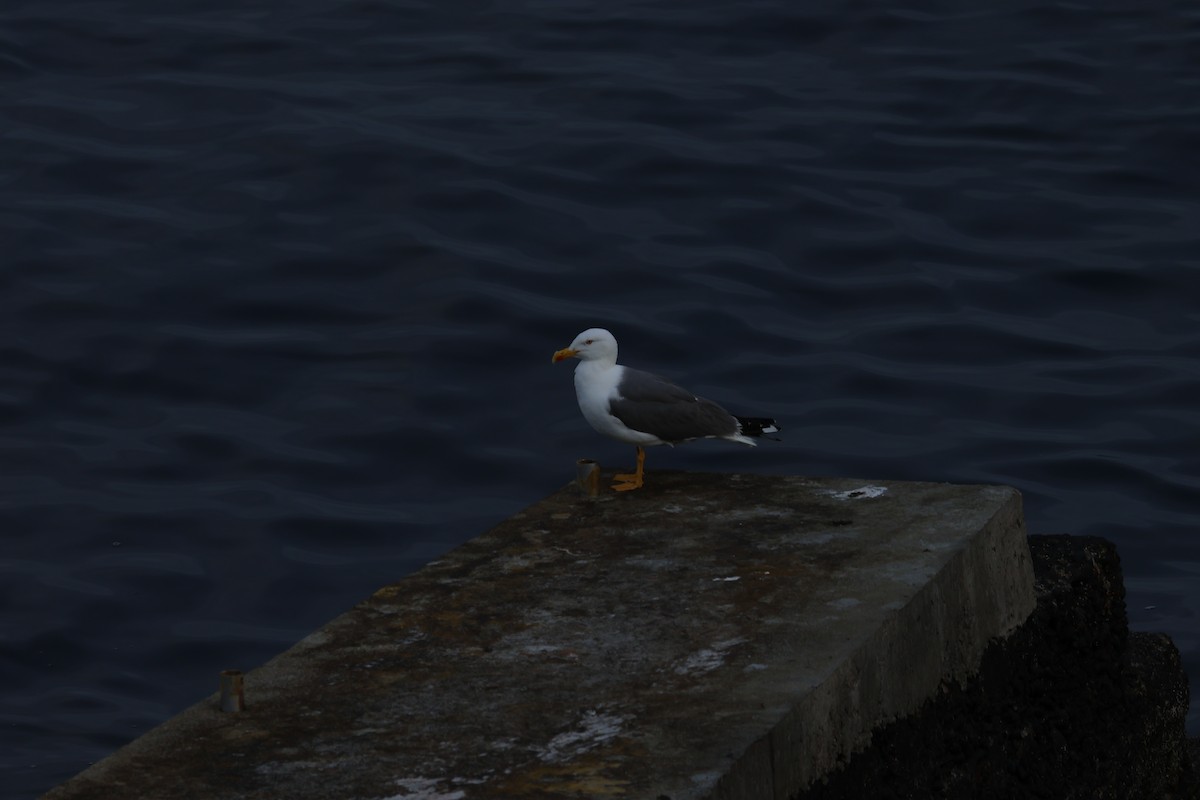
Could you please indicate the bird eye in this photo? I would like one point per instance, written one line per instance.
(589, 341)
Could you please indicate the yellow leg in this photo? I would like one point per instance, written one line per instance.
(631, 480)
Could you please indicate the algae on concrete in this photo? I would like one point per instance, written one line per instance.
(721, 636)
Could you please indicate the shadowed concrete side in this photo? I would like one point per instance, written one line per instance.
(1072, 705)
(707, 636)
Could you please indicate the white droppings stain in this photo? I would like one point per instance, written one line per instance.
(727, 580)
(700, 661)
(643, 562)
(317, 639)
(708, 659)
(844, 602)
(591, 731)
(424, 789)
(540, 649)
(754, 668)
(810, 538)
(672, 509)
(861, 493)
(299, 765)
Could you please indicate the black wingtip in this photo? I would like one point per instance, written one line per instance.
(758, 426)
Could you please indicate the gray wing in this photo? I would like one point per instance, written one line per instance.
(652, 404)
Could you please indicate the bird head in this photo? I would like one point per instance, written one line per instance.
(592, 344)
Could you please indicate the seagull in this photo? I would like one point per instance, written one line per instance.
(644, 409)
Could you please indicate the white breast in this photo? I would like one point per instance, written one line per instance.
(595, 383)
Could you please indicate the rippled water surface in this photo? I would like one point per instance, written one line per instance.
(281, 282)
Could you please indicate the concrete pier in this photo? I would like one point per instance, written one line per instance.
(709, 636)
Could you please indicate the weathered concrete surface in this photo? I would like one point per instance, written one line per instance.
(708, 636)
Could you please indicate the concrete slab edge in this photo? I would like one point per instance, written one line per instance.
(940, 635)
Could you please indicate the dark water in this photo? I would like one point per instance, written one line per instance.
(281, 282)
